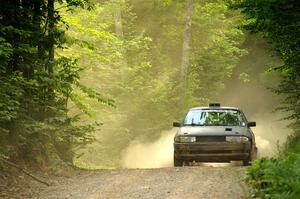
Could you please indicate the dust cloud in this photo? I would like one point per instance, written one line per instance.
(155, 154)
(259, 104)
(271, 130)
(270, 133)
(253, 97)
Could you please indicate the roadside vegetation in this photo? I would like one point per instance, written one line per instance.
(278, 22)
(37, 84)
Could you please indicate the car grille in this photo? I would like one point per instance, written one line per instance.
(211, 152)
(210, 139)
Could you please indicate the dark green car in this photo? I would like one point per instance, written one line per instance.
(214, 134)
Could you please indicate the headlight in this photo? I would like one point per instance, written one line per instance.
(239, 139)
(185, 139)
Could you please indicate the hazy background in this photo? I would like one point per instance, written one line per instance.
(253, 96)
(138, 63)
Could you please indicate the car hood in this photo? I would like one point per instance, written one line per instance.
(212, 130)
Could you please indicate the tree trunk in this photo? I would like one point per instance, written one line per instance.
(186, 47)
(118, 21)
(50, 49)
(120, 35)
(51, 36)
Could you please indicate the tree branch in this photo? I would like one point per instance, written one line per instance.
(24, 171)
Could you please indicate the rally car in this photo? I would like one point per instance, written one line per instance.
(214, 134)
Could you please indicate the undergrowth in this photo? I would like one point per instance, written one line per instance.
(277, 177)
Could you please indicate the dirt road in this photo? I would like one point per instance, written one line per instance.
(171, 183)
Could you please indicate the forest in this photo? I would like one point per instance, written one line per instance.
(81, 80)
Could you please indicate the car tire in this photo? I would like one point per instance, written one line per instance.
(178, 162)
(246, 162)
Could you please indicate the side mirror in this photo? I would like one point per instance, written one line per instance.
(251, 124)
(176, 124)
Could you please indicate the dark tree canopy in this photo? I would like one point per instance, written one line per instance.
(278, 22)
(35, 84)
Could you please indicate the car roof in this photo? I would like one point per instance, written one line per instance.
(214, 108)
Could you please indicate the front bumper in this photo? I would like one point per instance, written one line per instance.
(212, 152)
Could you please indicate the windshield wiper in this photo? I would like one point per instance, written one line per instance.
(214, 125)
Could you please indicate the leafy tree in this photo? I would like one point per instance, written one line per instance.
(278, 22)
(36, 84)
(217, 48)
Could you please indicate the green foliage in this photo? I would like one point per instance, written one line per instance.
(275, 178)
(278, 22)
(216, 50)
(36, 84)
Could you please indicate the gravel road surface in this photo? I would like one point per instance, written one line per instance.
(167, 183)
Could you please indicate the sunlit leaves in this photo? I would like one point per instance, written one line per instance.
(72, 4)
(36, 84)
(95, 95)
(163, 3)
(5, 50)
(216, 50)
(244, 77)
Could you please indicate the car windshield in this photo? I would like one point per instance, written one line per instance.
(221, 117)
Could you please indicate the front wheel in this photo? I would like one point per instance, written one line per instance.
(246, 162)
